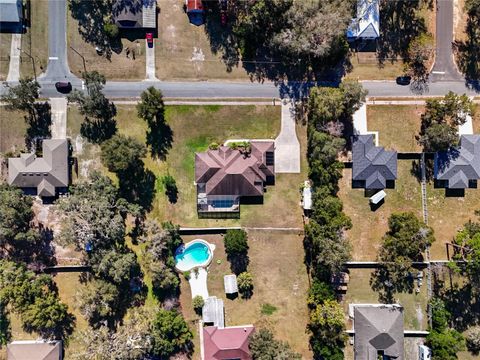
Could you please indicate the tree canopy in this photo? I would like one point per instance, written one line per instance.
(264, 346)
(236, 247)
(170, 334)
(120, 153)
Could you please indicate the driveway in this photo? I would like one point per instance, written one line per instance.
(287, 147)
(59, 118)
(150, 62)
(444, 68)
(14, 66)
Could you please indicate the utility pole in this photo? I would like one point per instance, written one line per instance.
(83, 59)
(33, 62)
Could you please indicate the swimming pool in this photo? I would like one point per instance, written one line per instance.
(196, 253)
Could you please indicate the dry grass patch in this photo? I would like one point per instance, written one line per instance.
(12, 130)
(459, 20)
(447, 215)
(476, 120)
(280, 279)
(366, 67)
(370, 226)
(397, 125)
(183, 51)
(35, 41)
(5, 43)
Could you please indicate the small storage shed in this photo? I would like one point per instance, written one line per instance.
(379, 196)
(307, 196)
(230, 284)
(213, 312)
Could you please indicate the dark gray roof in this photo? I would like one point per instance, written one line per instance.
(378, 327)
(367, 23)
(459, 165)
(372, 164)
(10, 10)
(45, 173)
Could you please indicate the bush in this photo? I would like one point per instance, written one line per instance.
(473, 340)
(245, 284)
(111, 30)
(198, 303)
(236, 247)
(268, 309)
(186, 275)
(171, 189)
(213, 146)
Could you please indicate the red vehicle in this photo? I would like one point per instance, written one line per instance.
(223, 18)
(149, 38)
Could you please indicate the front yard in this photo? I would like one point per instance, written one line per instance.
(5, 44)
(12, 130)
(280, 280)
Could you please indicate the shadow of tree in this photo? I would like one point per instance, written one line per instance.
(238, 263)
(468, 53)
(98, 130)
(382, 281)
(38, 127)
(137, 185)
(159, 139)
(91, 17)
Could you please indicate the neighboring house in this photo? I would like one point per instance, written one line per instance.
(366, 26)
(373, 167)
(378, 331)
(11, 16)
(227, 343)
(195, 12)
(45, 176)
(459, 168)
(226, 175)
(135, 14)
(34, 350)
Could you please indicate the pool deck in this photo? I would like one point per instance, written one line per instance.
(198, 283)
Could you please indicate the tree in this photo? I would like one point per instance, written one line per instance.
(120, 153)
(473, 340)
(445, 344)
(314, 28)
(441, 119)
(197, 304)
(115, 266)
(404, 243)
(263, 346)
(5, 329)
(23, 96)
(99, 113)
(165, 280)
(93, 215)
(170, 188)
(162, 240)
(98, 302)
(48, 317)
(170, 334)
(469, 239)
(16, 216)
(318, 293)
(236, 247)
(151, 107)
(245, 284)
(111, 30)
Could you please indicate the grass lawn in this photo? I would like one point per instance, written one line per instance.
(369, 226)
(459, 20)
(415, 305)
(194, 128)
(281, 284)
(476, 120)
(447, 215)
(35, 41)
(118, 68)
(366, 67)
(12, 130)
(397, 125)
(183, 51)
(5, 43)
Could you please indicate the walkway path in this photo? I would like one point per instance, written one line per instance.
(59, 118)
(14, 66)
(150, 62)
(198, 283)
(287, 147)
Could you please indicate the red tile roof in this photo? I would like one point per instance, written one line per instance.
(227, 343)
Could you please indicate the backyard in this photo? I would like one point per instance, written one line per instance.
(369, 226)
(193, 129)
(280, 287)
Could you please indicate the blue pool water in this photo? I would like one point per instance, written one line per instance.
(193, 255)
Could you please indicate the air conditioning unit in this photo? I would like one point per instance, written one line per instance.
(424, 353)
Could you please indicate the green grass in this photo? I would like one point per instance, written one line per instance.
(397, 125)
(35, 41)
(268, 309)
(369, 226)
(12, 130)
(366, 67)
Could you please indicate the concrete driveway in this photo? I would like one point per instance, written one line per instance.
(287, 147)
(59, 118)
(150, 62)
(14, 65)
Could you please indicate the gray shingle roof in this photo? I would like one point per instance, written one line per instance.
(134, 13)
(45, 173)
(10, 11)
(34, 350)
(459, 165)
(378, 327)
(372, 164)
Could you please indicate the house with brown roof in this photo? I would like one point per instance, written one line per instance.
(227, 343)
(35, 350)
(45, 176)
(226, 175)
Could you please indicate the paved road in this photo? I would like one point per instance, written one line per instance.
(444, 68)
(57, 68)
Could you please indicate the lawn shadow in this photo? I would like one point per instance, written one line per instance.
(159, 139)
(98, 130)
(468, 54)
(137, 185)
(38, 128)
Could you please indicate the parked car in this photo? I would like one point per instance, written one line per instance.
(63, 87)
(149, 38)
(404, 80)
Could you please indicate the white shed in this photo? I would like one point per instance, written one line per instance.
(379, 196)
(307, 196)
(230, 284)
